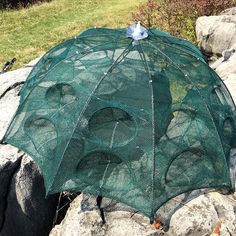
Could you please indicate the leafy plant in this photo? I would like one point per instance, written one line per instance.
(178, 17)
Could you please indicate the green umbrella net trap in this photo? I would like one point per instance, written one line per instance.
(137, 116)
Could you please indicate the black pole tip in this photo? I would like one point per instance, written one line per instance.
(99, 202)
(2, 142)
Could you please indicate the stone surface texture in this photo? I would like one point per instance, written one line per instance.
(25, 210)
(197, 217)
(9, 163)
(79, 221)
(216, 33)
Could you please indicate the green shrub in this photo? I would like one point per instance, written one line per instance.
(178, 17)
(11, 4)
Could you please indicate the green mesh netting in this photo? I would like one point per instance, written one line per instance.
(136, 122)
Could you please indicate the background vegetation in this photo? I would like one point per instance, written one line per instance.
(178, 17)
(27, 33)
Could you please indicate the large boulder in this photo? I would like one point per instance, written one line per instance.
(197, 217)
(83, 218)
(217, 36)
(24, 209)
(9, 163)
(216, 33)
(204, 214)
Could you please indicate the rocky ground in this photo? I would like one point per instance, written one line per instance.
(24, 210)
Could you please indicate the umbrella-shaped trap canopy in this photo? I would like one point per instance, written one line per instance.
(136, 119)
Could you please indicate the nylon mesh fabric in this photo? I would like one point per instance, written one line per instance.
(138, 123)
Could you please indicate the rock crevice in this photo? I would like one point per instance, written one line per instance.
(7, 172)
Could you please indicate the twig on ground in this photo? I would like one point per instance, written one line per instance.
(57, 210)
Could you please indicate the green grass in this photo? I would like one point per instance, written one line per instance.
(28, 33)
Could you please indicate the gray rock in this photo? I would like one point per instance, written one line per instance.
(216, 33)
(230, 11)
(197, 217)
(27, 211)
(88, 222)
(203, 214)
(217, 36)
(9, 163)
